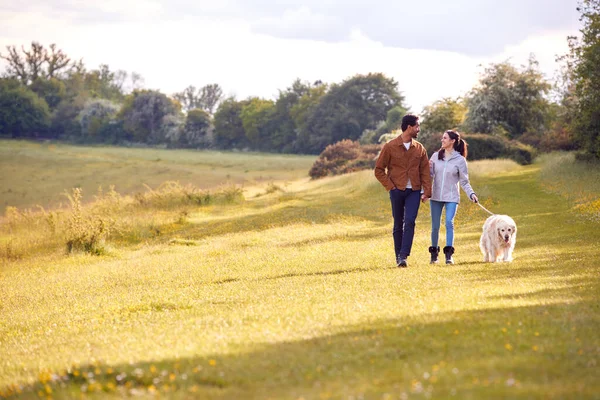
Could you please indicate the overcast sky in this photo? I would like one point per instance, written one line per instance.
(433, 48)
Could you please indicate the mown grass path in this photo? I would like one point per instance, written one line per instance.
(295, 295)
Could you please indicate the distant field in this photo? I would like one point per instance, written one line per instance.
(33, 173)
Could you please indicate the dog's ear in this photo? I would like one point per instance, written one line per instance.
(514, 228)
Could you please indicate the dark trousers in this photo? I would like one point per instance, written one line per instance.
(405, 207)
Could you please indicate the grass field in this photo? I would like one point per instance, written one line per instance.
(293, 293)
(38, 173)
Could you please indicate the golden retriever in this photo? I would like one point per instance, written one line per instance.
(498, 238)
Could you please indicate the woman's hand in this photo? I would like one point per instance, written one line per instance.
(474, 198)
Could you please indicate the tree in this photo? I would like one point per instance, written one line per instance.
(22, 112)
(508, 101)
(205, 98)
(585, 66)
(65, 122)
(307, 103)
(197, 131)
(52, 90)
(142, 114)
(189, 98)
(172, 130)
(284, 133)
(392, 123)
(104, 84)
(100, 83)
(37, 62)
(393, 120)
(443, 115)
(348, 109)
(210, 96)
(257, 122)
(94, 115)
(229, 129)
(56, 61)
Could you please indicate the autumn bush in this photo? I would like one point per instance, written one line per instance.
(343, 157)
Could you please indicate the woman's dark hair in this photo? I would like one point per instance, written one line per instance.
(407, 120)
(459, 145)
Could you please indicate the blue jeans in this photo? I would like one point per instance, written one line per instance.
(405, 207)
(436, 216)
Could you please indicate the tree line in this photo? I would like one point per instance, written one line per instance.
(45, 94)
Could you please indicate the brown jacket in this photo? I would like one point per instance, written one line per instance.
(402, 164)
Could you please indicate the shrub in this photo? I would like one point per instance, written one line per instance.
(85, 233)
(485, 146)
(344, 157)
(172, 194)
(558, 138)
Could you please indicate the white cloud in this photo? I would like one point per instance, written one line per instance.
(174, 53)
(301, 22)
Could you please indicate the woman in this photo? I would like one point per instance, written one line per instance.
(448, 167)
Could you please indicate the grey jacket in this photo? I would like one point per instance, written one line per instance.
(446, 175)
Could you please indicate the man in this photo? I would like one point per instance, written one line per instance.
(403, 169)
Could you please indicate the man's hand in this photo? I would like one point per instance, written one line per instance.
(424, 198)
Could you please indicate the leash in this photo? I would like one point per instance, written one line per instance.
(485, 209)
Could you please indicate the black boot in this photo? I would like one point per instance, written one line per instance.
(434, 254)
(448, 251)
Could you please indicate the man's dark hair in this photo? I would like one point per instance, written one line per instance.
(407, 120)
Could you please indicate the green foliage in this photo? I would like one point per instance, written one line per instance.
(393, 120)
(307, 104)
(387, 127)
(256, 118)
(443, 115)
(485, 147)
(197, 130)
(94, 116)
(172, 131)
(65, 122)
(104, 83)
(585, 59)
(346, 110)
(142, 114)
(22, 112)
(344, 157)
(113, 132)
(52, 90)
(508, 100)
(229, 128)
(558, 136)
(284, 132)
